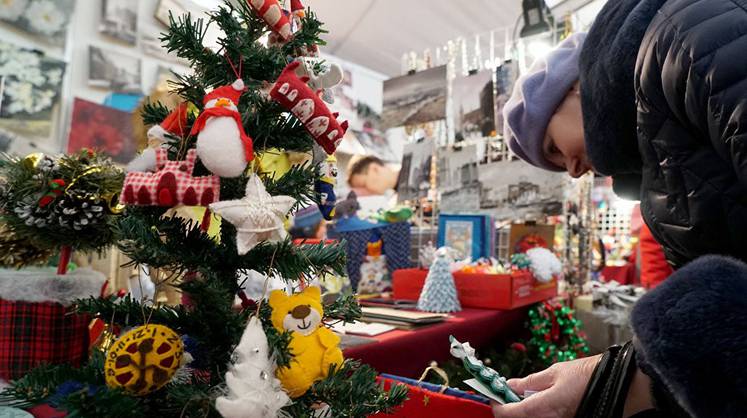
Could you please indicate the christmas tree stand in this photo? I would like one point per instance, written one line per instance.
(37, 323)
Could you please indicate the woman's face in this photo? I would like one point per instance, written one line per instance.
(564, 143)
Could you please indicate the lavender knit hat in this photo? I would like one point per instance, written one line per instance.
(535, 97)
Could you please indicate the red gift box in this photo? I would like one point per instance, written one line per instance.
(33, 333)
(490, 291)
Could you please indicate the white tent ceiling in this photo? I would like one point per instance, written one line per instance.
(376, 33)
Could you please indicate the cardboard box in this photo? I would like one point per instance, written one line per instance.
(519, 231)
(489, 291)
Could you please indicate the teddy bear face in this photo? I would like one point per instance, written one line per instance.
(301, 312)
(302, 319)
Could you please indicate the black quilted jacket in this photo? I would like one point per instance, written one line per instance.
(664, 93)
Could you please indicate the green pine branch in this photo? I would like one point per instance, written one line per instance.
(345, 309)
(154, 113)
(350, 391)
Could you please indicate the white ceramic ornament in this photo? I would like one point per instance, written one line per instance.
(257, 216)
(253, 389)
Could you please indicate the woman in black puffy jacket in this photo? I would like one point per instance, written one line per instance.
(655, 95)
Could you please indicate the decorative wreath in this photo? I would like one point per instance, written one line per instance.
(556, 333)
(529, 241)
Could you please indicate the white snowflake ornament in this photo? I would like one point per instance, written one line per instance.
(257, 216)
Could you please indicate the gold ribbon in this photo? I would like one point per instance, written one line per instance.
(111, 199)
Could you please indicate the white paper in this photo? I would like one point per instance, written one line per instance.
(484, 390)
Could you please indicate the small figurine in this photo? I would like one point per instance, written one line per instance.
(325, 188)
(481, 372)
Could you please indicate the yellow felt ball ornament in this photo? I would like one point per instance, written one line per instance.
(315, 348)
(144, 359)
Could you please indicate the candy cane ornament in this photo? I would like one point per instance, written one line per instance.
(271, 12)
(297, 97)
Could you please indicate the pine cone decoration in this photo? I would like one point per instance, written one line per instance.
(34, 215)
(79, 212)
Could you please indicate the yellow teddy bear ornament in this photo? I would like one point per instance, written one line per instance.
(315, 348)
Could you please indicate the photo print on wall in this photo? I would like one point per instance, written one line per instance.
(113, 71)
(414, 179)
(483, 178)
(46, 19)
(119, 20)
(416, 98)
(30, 82)
(102, 128)
(474, 108)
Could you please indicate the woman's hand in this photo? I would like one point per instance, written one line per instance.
(560, 388)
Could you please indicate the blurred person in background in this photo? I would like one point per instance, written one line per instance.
(309, 223)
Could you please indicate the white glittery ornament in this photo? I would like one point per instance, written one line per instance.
(257, 216)
(253, 390)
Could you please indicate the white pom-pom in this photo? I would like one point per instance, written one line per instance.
(220, 148)
(544, 264)
(143, 162)
(238, 85)
(157, 132)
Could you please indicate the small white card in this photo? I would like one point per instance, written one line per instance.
(484, 390)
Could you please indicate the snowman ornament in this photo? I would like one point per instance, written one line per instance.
(222, 145)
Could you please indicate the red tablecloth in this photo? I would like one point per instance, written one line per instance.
(625, 274)
(407, 353)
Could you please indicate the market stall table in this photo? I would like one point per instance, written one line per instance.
(408, 352)
(623, 274)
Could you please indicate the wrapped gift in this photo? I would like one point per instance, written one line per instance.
(489, 291)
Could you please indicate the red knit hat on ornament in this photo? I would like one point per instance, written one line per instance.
(232, 93)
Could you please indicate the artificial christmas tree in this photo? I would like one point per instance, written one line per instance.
(439, 293)
(205, 267)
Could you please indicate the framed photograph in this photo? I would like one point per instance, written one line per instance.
(414, 179)
(47, 19)
(102, 128)
(119, 20)
(474, 108)
(31, 83)
(468, 234)
(113, 71)
(416, 98)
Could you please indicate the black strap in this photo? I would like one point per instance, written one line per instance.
(607, 390)
(596, 384)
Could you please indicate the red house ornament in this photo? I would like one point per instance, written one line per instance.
(172, 184)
